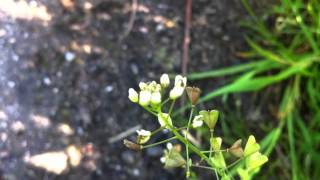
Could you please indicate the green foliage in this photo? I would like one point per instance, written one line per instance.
(287, 47)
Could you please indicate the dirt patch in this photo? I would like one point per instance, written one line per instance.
(76, 67)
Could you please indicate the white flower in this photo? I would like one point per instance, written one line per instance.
(133, 95)
(176, 92)
(180, 81)
(143, 136)
(164, 80)
(143, 86)
(197, 121)
(164, 119)
(156, 98)
(144, 98)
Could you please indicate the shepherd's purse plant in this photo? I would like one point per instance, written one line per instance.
(217, 159)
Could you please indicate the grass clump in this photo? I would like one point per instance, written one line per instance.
(284, 45)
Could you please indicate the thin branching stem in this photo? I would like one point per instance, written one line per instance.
(158, 143)
(186, 137)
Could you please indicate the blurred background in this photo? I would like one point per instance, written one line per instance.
(66, 67)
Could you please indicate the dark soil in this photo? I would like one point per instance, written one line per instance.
(77, 70)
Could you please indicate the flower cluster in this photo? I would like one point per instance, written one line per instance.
(151, 92)
(151, 97)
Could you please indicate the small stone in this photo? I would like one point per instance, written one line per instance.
(18, 127)
(154, 151)
(108, 88)
(136, 172)
(47, 81)
(11, 84)
(69, 56)
(127, 157)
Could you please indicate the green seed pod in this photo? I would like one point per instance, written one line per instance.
(210, 118)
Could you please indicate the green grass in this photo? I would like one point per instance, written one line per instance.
(288, 48)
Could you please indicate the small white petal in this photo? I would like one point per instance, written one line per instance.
(176, 92)
(144, 98)
(156, 98)
(143, 86)
(180, 81)
(143, 132)
(133, 95)
(163, 160)
(169, 146)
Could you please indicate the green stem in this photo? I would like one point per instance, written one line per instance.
(214, 151)
(191, 146)
(187, 145)
(171, 107)
(158, 143)
(149, 110)
(157, 130)
(211, 136)
(203, 167)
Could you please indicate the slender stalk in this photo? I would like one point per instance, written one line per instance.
(211, 136)
(203, 167)
(149, 110)
(187, 145)
(165, 101)
(171, 107)
(157, 130)
(191, 146)
(158, 143)
(214, 151)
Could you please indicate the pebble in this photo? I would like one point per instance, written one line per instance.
(46, 81)
(154, 151)
(136, 172)
(11, 84)
(127, 157)
(134, 68)
(69, 56)
(108, 88)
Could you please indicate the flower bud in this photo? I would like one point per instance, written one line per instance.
(176, 92)
(133, 95)
(131, 145)
(193, 94)
(197, 121)
(164, 120)
(210, 118)
(143, 136)
(143, 86)
(156, 98)
(144, 98)
(164, 80)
